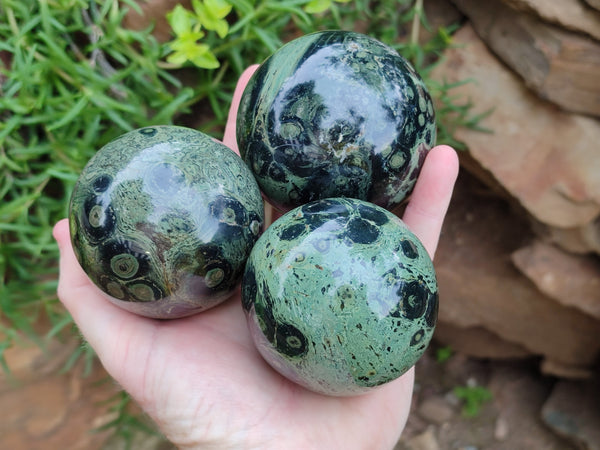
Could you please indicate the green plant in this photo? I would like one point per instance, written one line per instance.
(127, 422)
(473, 398)
(72, 78)
(187, 27)
(443, 354)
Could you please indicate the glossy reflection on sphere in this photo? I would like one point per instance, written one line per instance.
(163, 218)
(335, 114)
(340, 296)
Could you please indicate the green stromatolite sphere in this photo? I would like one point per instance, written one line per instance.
(335, 114)
(340, 296)
(163, 219)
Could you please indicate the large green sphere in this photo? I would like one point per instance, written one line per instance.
(340, 296)
(335, 114)
(163, 219)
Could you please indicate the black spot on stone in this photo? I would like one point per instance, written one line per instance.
(432, 309)
(266, 321)
(228, 210)
(417, 338)
(148, 131)
(263, 306)
(361, 231)
(101, 183)
(428, 137)
(292, 232)
(258, 157)
(116, 247)
(289, 340)
(249, 287)
(276, 172)
(373, 214)
(227, 276)
(325, 222)
(98, 219)
(207, 253)
(409, 249)
(329, 211)
(144, 291)
(414, 299)
(330, 207)
(209, 258)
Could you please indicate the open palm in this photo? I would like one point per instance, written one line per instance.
(203, 382)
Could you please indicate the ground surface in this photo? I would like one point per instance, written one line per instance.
(511, 420)
(44, 408)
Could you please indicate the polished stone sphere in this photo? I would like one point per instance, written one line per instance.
(340, 296)
(163, 219)
(335, 114)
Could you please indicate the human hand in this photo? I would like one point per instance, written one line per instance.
(201, 379)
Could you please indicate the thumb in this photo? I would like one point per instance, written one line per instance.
(72, 277)
(90, 308)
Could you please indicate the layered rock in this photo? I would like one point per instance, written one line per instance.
(517, 262)
(558, 64)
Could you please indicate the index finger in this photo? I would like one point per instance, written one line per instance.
(430, 199)
(229, 138)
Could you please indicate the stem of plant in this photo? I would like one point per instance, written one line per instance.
(416, 23)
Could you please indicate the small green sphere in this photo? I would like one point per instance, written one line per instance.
(340, 296)
(335, 114)
(163, 219)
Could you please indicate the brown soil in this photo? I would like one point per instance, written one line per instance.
(45, 408)
(510, 420)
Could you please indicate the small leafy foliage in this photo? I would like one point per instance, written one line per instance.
(443, 354)
(187, 27)
(71, 79)
(319, 6)
(473, 397)
(211, 14)
(186, 47)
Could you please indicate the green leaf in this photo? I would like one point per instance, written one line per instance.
(218, 8)
(317, 6)
(205, 59)
(221, 27)
(268, 39)
(198, 54)
(63, 322)
(70, 115)
(180, 20)
(211, 14)
(177, 58)
(187, 41)
(243, 6)
(473, 398)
